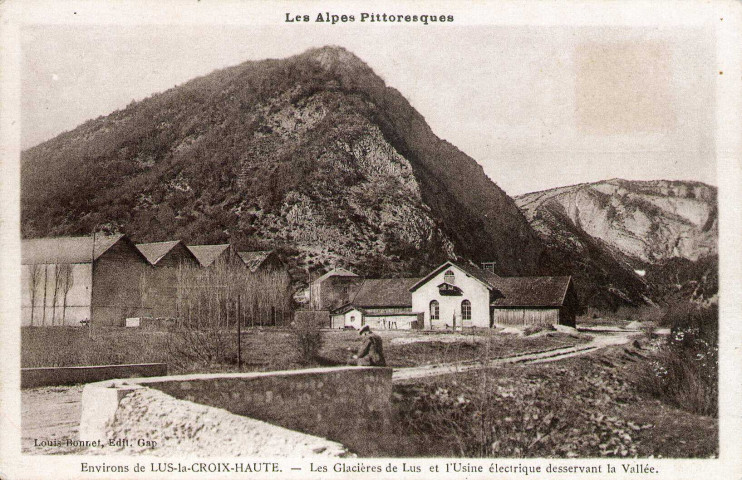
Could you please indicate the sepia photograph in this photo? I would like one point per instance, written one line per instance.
(348, 235)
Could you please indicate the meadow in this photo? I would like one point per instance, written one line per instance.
(263, 348)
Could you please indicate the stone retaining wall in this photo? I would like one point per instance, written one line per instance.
(343, 404)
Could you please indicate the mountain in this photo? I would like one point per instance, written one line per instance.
(605, 231)
(313, 155)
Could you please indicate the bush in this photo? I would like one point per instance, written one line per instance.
(204, 347)
(307, 339)
(551, 414)
(534, 329)
(685, 371)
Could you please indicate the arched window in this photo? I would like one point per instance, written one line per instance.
(434, 310)
(466, 310)
(448, 277)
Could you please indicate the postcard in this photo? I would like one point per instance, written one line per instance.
(335, 240)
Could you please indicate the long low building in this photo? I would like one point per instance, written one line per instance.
(452, 296)
(105, 279)
(383, 303)
(69, 280)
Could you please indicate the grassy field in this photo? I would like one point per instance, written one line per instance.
(264, 348)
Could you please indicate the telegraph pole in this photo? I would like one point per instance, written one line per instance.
(239, 335)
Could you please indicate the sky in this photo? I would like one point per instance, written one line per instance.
(537, 107)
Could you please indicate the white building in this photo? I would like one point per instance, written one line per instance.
(456, 296)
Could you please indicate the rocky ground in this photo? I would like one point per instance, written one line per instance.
(158, 424)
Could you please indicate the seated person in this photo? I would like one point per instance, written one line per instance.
(371, 352)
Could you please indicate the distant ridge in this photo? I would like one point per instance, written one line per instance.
(603, 231)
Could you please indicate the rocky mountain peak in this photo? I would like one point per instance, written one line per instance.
(620, 225)
(332, 56)
(311, 155)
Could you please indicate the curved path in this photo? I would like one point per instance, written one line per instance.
(601, 339)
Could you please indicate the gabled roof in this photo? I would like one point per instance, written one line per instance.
(532, 291)
(487, 278)
(385, 292)
(157, 250)
(513, 291)
(335, 272)
(207, 254)
(63, 250)
(254, 260)
(345, 308)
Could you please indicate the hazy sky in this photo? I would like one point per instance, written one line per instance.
(536, 107)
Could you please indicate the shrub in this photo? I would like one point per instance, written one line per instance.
(307, 339)
(555, 414)
(203, 347)
(534, 329)
(685, 370)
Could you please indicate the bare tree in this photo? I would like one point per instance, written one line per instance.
(211, 302)
(43, 309)
(58, 288)
(33, 277)
(66, 274)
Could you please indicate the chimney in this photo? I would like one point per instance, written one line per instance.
(488, 267)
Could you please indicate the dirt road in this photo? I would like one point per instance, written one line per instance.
(50, 419)
(600, 340)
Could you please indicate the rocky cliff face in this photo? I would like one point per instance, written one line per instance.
(647, 222)
(624, 225)
(313, 155)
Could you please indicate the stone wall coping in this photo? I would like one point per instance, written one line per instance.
(239, 375)
(91, 367)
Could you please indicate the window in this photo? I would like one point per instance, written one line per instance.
(466, 310)
(448, 277)
(434, 310)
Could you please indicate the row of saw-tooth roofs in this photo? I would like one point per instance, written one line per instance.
(204, 255)
(87, 249)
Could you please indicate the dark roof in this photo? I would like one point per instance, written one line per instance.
(385, 292)
(254, 260)
(63, 250)
(532, 291)
(488, 278)
(343, 309)
(207, 254)
(514, 291)
(335, 272)
(155, 251)
(482, 275)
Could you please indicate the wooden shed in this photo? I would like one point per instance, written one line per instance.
(161, 284)
(382, 303)
(68, 280)
(522, 301)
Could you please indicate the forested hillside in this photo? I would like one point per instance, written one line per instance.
(313, 155)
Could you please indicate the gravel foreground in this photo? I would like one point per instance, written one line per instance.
(155, 423)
